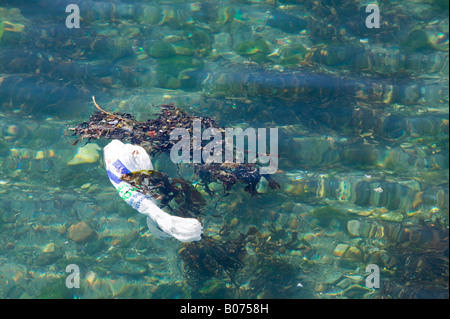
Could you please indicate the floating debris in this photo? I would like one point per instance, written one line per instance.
(154, 136)
(378, 189)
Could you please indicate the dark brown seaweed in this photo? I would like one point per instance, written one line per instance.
(154, 136)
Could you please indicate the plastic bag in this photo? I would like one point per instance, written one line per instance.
(122, 159)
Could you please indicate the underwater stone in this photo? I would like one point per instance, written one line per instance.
(417, 39)
(332, 278)
(39, 155)
(344, 283)
(120, 47)
(293, 55)
(262, 186)
(222, 42)
(392, 216)
(353, 254)
(168, 291)
(183, 48)
(47, 258)
(253, 47)
(213, 288)
(86, 154)
(159, 49)
(388, 260)
(49, 248)
(225, 14)
(172, 83)
(55, 289)
(340, 250)
(356, 291)
(326, 214)
(353, 227)
(201, 41)
(151, 15)
(338, 54)
(287, 22)
(94, 246)
(91, 277)
(80, 232)
(189, 77)
(265, 294)
(4, 149)
(130, 268)
(363, 155)
(61, 229)
(11, 32)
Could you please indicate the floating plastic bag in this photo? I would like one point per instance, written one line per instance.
(122, 159)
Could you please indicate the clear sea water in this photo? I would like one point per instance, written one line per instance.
(362, 116)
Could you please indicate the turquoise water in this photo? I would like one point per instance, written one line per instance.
(362, 118)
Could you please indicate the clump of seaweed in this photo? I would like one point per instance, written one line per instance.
(249, 261)
(421, 263)
(154, 136)
(162, 188)
(214, 258)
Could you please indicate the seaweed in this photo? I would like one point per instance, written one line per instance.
(214, 258)
(154, 136)
(162, 188)
(417, 257)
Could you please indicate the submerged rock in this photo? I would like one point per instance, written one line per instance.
(131, 268)
(80, 232)
(353, 227)
(287, 22)
(86, 154)
(340, 250)
(49, 248)
(353, 254)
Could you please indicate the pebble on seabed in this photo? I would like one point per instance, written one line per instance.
(86, 154)
(340, 250)
(49, 248)
(80, 232)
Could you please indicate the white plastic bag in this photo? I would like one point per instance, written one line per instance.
(122, 159)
